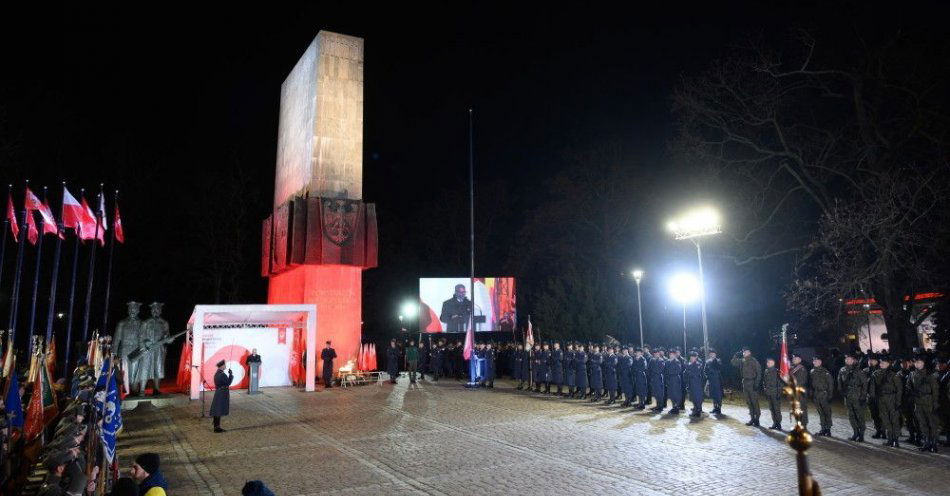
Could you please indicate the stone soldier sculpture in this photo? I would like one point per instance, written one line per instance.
(822, 387)
(887, 387)
(127, 339)
(149, 365)
(713, 371)
(854, 388)
(772, 387)
(751, 373)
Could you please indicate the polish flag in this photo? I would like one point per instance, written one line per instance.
(49, 222)
(72, 212)
(529, 337)
(119, 233)
(31, 233)
(469, 343)
(784, 366)
(11, 217)
(89, 227)
(31, 203)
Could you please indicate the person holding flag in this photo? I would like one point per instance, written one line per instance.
(772, 387)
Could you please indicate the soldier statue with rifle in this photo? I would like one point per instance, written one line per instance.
(128, 335)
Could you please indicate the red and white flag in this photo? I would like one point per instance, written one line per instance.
(102, 212)
(90, 228)
(469, 343)
(11, 217)
(32, 234)
(784, 365)
(49, 222)
(118, 232)
(72, 211)
(529, 337)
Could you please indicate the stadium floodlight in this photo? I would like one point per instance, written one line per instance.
(696, 223)
(684, 288)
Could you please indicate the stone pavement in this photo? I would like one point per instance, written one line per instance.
(443, 439)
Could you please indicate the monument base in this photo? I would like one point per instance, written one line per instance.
(336, 290)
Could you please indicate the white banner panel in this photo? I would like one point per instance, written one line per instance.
(234, 345)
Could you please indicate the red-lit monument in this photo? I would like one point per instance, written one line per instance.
(321, 235)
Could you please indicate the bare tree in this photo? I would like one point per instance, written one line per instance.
(835, 156)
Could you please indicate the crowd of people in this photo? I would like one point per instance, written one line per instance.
(905, 397)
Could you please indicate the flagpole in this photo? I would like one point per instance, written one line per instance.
(15, 292)
(36, 274)
(471, 244)
(92, 269)
(6, 227)
(72, 288)
(105, 313)
(54, 279)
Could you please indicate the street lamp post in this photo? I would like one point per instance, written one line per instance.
(637, 275)
(692, 226)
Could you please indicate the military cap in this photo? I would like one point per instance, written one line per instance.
(921, 357)
(711, 350)
(885, 358)
(873, 356)
(693, 353)
(745, 348)
(796, 354)
(220, 363)
(816, 357)
(660, 349)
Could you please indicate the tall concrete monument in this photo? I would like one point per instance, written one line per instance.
(321, 235)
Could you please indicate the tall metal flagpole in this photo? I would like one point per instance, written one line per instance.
(6, 227)
(36, 276)
(92, 268)
(54, 279)
(15, 291)
(471, 206)
(105, 313)
(72, 287)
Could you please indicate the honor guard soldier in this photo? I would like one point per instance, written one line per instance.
(392, 361)
(673, 378)
(639, 376)
(545, 365)
(873, 404)
(490, 370)
(800, 373)
(595, 365)
(648, 355)
(695, 380)
(517, 360)
(886, 387)
(556, 366)
(610, 374)
(580, 372)
(657, 388)
(713, 371)
(438, 355)
(907, 405)
(924, 388)
(772, 387)
(625, 374)
(854, 388)
(751, 373)
(221, 402)
(569, 370)
(537, 371)
(822, 387)
(526, 367)
(943, 408)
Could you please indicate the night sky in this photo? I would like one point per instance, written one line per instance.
(166, 104)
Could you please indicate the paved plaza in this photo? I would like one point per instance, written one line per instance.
(442, 439)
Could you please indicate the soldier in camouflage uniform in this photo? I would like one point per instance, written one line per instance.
(800, 373)
(943, 374)
(907, 406)
(886, 388)
(924, 389)
(873, 403)
(822, 387)
(854, 388)
(751, 373)
(772, 387)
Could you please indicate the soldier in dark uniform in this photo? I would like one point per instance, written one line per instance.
(490, 371)
(648, 355)
(423, 359)
(392, 361)
(800, 373)
(328, 355)
(537, 370)
(448, 360)
(772, 388)
(682, 360)
(639, 376)
(458, 364)
(907, 405)
(695, 380)
(580, 372)
(221, 403)
(713, 370)
(751, 373)
(673, 378)
(546, 367)
(886, 387)
(569, 370)
(526, 367)
(943, 407)
(625, 374)
(854, 388)
(556, 366)
(924, 388)
(517, 359)
(595, 365)
(657, 388)
(873, 404)
(610, 374)
(822, 387)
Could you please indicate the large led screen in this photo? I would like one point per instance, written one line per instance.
(445, 304)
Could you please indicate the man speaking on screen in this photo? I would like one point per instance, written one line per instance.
(456, 311)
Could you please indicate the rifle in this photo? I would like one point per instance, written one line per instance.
(149, 345)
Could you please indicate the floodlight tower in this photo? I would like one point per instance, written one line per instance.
(694, 225)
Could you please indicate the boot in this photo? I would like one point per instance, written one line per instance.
(854, 436)
(775, 426)
(925, 447)
(878, 435)
(520, 385)
(860, 438)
